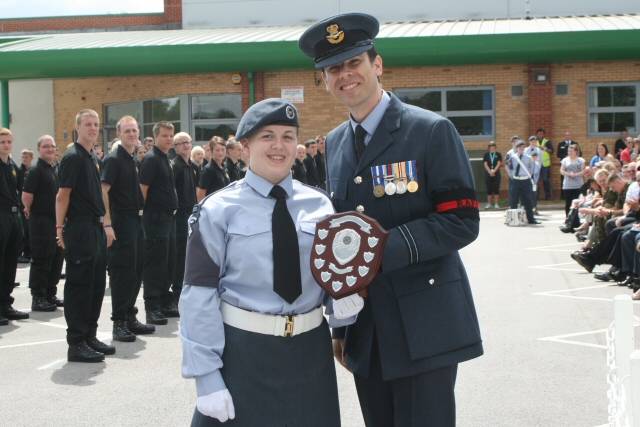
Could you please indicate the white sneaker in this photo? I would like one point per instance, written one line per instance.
(487, 206)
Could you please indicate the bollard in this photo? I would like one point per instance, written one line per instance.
(634, 398)
(624, 339)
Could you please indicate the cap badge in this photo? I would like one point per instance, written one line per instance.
(336, 36)
(289, 111)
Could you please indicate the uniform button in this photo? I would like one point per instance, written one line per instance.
(357, 180)
(432, 281)
(360, 208)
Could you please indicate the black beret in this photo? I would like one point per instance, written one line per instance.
(336, 39)
(271, 111)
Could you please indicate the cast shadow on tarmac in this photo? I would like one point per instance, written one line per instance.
(78, 374)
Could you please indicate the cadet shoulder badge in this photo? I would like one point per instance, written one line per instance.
(335, 36)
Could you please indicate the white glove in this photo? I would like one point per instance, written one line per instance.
(218, 405)
(346, 307)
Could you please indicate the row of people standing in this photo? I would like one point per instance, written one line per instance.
(309, 165)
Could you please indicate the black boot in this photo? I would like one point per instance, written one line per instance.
(138, 327)
(3, 321)
(155, 316)
(81, 352)
(55, 300)
(171, 309)
(41, 304)
(100, 347)
(121, 332)
(12, 314)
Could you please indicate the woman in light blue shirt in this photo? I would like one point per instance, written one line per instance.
(601, 153)
(259, 346)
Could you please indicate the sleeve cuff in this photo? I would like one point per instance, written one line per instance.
(209, 383)
(396, 252)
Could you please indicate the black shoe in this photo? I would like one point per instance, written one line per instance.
(12, 314)
(171, 310)
(583, 260)
(139, 328)
(566, 229)
(55, 300)
(41, 304)
(24, 260)
(626, 282)
(581, 237)
(121, 332)
(156, 317)
(100, 347)
(81, 352)
(3, 321)
(603, 277)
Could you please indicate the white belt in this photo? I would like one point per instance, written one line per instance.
(521, 178)
(270, 324)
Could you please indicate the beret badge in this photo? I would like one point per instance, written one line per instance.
(290, 112)
(335, 35)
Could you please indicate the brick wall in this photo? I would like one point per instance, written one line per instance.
(171, 18)
(320, 112)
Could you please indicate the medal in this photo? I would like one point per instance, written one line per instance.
(401, 183)
(389, 186)
(412, 186)
(377, 179)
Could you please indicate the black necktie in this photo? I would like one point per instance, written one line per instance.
(360, 134)
(286, 257)
(518, 167)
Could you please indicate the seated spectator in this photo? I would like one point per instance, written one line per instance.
(600, 156)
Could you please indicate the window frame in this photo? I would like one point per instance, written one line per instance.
(213, 122)
(596, 110)
(462, 113)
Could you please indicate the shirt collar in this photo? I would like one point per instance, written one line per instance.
(43, 163)
(371, 122)
(263, 187)
(159, 151)
(82, 149)
(124, 153)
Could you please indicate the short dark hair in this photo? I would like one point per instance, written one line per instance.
(372, 53)
(310, 142)
(540, 130)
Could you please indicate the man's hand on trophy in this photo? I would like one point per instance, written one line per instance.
(346, 307)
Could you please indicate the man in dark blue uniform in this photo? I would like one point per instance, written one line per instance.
(407, 168)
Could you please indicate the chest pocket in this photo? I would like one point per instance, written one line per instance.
(249, 244)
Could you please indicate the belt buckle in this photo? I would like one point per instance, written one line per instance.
(288, 326)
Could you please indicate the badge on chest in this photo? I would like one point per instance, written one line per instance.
(394, 178)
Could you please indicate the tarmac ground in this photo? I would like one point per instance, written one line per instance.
(543, 319)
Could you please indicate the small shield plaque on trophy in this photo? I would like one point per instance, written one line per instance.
(347, 253)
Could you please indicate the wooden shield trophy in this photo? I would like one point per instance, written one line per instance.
(347, 253)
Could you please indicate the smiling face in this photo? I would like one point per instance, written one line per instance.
(128, 134)
(272, 151)
(355, 83)
(88, 129)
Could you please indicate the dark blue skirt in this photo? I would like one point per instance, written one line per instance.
(279, 381)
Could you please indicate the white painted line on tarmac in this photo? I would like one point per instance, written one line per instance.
(50, 324)
(29, 344)
(559, 291)
(541, 248)
(557, 267)
(562, 293)
(52, 364)
(562, 339)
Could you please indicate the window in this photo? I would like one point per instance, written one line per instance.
(471, 110)
(214, 115)
(613, 107)
(147, 113)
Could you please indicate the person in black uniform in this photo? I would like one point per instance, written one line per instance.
(234, 164)
(214, 175)
(313, 177)
(298, 170)
(26, 160)
(185, 176)
(161, 204)
(388, 161)
(123, 202)
(39, 201)
(80, 231)
(10, 229)
(320, 162)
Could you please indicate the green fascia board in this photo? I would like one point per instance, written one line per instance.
(284, 55)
